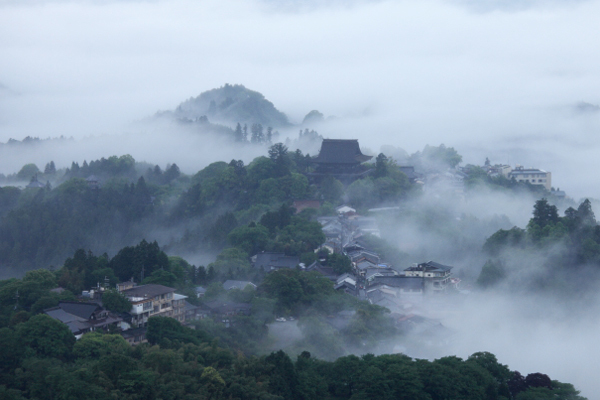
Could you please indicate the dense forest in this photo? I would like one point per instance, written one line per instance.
(42, 360)
(559, 254)
(115, 219)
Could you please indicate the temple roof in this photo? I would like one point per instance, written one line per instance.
(340, 151)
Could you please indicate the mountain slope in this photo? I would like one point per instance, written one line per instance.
(231, 104)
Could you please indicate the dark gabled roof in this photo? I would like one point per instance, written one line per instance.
(346, 275)
(35, 184)
(365, 264)
(381, 271)
(344, 284)
(272, 261)
(220, 307)
(336, 151)
(81, 310)
(430, 266)
(327, 272)
(403, 282)
(147, 291)
(63, 316)
(189, 306)
(409, 172)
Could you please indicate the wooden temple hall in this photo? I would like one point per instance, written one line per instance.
(340, 158)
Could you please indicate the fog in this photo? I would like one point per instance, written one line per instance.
(500, 79)
(497, 79)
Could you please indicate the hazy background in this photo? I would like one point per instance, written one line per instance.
(491, 78)
(500, 79)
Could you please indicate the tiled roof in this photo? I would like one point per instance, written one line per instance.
(270, 261)
(404, 282)
(147, 291)
(335, 151)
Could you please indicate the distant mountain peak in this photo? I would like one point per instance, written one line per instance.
(231, 104)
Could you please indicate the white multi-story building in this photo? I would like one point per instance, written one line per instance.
(150, 300)
(436, 277)
(532, 175)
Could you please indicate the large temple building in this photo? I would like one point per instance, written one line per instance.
(340, 158)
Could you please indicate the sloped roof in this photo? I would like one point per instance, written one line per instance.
(429, 266)
(403, 282)
(271, 261)
(189, 306)
(200, 289)
(328, 272)
(35, 184)
(147, 291)
(63, 316)
(82, 310)
(409, 172)
(346, 276)
(130, 333)
(220, 307)
(340, 151)
(381, 272)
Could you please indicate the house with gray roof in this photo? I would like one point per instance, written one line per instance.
(372, 273)
(200, 291)
(327, 272)
(83, 317)
(273, 261)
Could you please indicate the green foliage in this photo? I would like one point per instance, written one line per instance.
(41, 360)
(361, 192)
(9, 196)
(572, 240)
(164, 330)
(133, 261)
(115, 301)
(491, 274)
(95, 345)
(250, 239)
(48, 227)
(294, 290)
(331, 190)
(432, 157)
(513, 237)
(340, 263)
(47, 337)
(278, 153)
(27, 172)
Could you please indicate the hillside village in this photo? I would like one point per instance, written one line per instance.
(304, 270)
(408, 292)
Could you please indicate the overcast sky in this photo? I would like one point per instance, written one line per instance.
(491, 78)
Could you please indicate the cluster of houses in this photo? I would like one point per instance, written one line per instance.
(146, 301)
(372, 278)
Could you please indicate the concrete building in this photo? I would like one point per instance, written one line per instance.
(436, 277)
(532, 175)
(149, 301)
